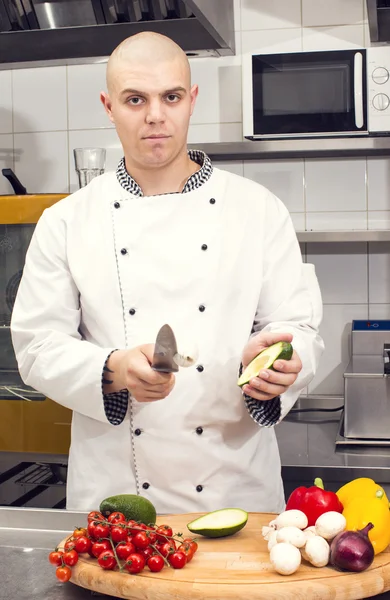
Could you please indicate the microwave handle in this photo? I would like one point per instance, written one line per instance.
(358, 89)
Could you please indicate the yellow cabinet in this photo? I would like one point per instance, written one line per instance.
(34, 427)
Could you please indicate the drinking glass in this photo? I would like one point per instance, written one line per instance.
(89, 163)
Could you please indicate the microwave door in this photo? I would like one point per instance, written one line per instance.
(309, 94)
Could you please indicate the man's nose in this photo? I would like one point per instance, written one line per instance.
(156, 113)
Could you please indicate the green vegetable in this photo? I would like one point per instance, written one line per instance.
(219, 523)
(265, 360)
(132, 506)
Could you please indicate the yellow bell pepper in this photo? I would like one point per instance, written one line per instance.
(363, 510)
(362, 487)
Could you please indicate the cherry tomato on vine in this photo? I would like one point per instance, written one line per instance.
(141, 540)
(177, 560)
(124, 549)
(79, 532)
(69, 545)
(83, 544)
(107, 560)
(55, 558)
(116, 517)
(163, 531)
(167, 548)
(135, 563)
(95, 515)
(118, 533)
(186, 549)
(99, 547)
(63, 574)
(155, 563)
(70, 558)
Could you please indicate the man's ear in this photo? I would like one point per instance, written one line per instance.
(194, 94)
(105, 100)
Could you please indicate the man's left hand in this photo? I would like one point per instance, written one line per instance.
(270, 383)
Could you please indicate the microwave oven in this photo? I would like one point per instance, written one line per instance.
(319, 93)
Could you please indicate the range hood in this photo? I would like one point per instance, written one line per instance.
(54, 32)
(378, 13)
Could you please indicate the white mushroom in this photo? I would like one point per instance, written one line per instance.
(266, 531)
(310, 532)
(329, 524)
(272, 541)
(292, 518)
(317, 551)
(291, 535)
(285, 558)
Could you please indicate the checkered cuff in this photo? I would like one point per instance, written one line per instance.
(264, 412)
(115, 404)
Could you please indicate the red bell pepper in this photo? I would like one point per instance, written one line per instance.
(314, 501)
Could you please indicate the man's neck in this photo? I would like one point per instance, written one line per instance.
(166, 180)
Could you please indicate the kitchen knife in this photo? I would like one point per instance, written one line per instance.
(164, 351)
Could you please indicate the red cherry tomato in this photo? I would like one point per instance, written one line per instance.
(63, 574)
(186, 549)
(135, 563)
(124, 549)
(82, 544)
(155, 563)
(101, 531)
(69, 544)
(146, 552)
(116, 517)
(167, 548)
(192, 543)
(118, 533)
(70, 558)
(99, 547)
(177, 560)
(55, 558)
(163, 531)
(107, 560)
(95, 515)
(141, 540)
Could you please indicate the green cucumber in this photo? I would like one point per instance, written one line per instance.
(219, 523)
(265, 360)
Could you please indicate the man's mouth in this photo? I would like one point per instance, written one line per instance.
(156, 136)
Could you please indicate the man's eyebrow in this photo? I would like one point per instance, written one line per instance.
(139, 93)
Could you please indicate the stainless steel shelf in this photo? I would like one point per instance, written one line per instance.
(310, 148)
(372, 235)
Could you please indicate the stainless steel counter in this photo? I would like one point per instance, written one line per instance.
(26, 538)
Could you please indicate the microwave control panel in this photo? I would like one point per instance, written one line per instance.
(378, 89)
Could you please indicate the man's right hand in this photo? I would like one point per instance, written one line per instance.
(131, 370)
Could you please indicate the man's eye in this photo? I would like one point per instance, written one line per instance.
(135, 101)
(173, 98)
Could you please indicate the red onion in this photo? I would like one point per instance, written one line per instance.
(352, 550)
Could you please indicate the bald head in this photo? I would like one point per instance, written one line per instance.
(141, 50)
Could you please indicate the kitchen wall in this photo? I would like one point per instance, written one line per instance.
(46, 112)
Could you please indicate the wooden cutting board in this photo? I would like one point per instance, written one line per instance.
(232, 568)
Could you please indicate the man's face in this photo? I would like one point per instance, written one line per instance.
(151, 108)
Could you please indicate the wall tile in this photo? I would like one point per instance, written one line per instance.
(333, 38)
(39, 99)
(95, 138)
(299, 221)
(284, 178)
(85, 82)
(41, 161)
(332, 12)
(379, 273)
(237, 15)
(221, 101)
(233, 166)
(6, 161)
(273, 40)
(378, 183)
(341, 270)
(335, 184)
(379, 219)
(336, 221)
(378, 311)
(215, 132)
(5, 101)
(263, 14)
(335, 330)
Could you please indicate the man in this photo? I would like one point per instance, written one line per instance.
(168, 238)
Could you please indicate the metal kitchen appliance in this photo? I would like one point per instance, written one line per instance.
(367, 382)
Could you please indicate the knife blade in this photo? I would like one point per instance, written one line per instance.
(164, 350)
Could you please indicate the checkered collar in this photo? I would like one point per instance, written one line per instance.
(193, 182)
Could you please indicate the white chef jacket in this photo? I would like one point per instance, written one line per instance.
(104, 270)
